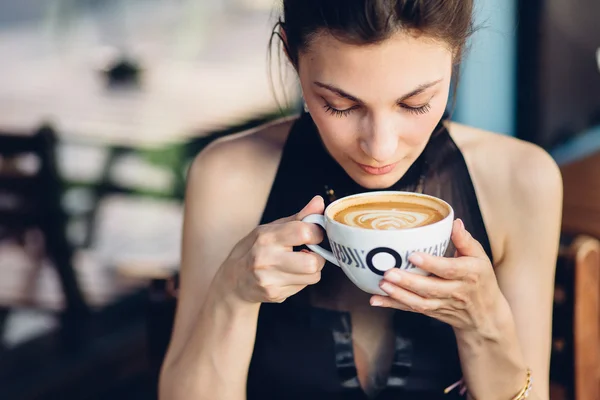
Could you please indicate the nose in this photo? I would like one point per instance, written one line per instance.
(380, 140)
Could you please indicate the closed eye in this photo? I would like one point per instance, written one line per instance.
(424, 109)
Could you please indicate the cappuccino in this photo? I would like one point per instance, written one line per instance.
(388, 215)
(369, 233)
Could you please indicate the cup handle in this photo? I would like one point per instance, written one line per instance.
(326, 254)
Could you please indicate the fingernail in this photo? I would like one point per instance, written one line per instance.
(385, 286)
(461, 224)
(394, 275)
(376, 302)
(415, 259)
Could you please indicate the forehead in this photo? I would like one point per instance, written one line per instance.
(397, 64)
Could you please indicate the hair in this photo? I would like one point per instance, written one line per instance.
(366, 22)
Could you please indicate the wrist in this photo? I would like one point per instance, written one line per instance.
(494, 345)
(496, 325)
(215, 357)
(223, 294)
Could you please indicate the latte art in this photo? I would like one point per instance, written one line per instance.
(388, 215)
(386, 220)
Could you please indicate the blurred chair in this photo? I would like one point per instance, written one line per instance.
(30, 207)
(575, 370)
(581, 179)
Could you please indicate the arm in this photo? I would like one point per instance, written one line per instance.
(521, 327)
(526, 275)
(502, 318)
(210, 336)
(230, 266)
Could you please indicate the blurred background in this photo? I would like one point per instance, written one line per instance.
(103, 105)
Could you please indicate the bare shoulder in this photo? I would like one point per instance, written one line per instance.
(514, 164)
(229, 183)
(515, 180)
(244, 162)
(257, 147)
(228, 186)
(230, 180)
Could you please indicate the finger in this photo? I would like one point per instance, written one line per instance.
(281, 294)
(290, 234)
(289, 291)
(443, 267)
(464, 242)
(300, 263)
(284, 279)
(388, 302)
(430, 287)
(297, 233)
(315, 206)
(409, 301)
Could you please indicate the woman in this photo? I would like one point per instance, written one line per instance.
(259, 319)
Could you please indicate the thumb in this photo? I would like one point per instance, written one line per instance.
(465, 244)
(315, 206)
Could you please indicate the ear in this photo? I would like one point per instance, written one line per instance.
(283, 34)
(284, 41)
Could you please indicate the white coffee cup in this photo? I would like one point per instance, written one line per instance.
(366, 254)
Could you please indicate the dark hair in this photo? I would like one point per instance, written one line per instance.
(365, 22)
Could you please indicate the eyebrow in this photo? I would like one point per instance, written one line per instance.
(418, 90)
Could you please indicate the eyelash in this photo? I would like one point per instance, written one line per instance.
(344, 113)
(338, 113)
(417, 110)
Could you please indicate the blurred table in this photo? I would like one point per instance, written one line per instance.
(189, 87)
(205, 68)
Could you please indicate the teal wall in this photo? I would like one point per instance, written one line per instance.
(486, 95)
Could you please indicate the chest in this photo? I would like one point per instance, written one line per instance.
(371, 331)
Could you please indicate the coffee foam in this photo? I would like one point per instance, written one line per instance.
(389, 218)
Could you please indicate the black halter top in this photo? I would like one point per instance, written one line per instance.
(306, 352)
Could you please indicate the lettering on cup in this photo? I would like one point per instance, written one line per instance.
(438, 250)
(348, 256)
(366, 259)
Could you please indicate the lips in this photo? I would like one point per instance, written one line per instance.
(386, 169)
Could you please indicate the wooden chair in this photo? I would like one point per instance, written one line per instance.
(30, 206)
(575, 369)
(581, 210)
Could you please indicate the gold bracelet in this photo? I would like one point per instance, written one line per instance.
(524, 393)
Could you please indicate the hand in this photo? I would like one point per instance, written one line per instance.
(461, 291)
(263, 268)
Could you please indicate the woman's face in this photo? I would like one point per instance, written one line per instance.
(376, 106)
